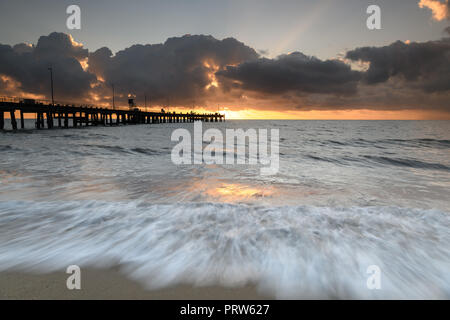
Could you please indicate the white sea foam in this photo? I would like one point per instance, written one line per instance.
(291, 251)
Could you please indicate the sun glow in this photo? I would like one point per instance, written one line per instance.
(84, 64)
(230, 114)
(301, 28)
(74, 43)
(361, 114)
(13, 87)
(213, 68)
(10, 83)
(95, 97)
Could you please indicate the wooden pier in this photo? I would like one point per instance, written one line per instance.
(58, 115)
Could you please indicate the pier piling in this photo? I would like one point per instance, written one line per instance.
(22, 120)
(13, 120)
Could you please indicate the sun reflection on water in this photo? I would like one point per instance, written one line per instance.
(232, 192)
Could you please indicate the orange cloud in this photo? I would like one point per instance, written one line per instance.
(440, 10)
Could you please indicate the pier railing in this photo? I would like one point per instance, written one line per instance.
(56, 103)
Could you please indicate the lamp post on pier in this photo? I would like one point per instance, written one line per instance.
(51, 84)
(114, 103)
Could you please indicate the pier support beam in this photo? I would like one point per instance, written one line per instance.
(22, 120)
(49, 120)
(13, 120)
(2, 120)
(38, 120)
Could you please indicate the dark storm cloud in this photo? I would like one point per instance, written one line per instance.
(57, 45)
(206, 71)
(293, 72)
(179, 70)
(448, 9)
(424, 65)
(23, 48)
(99, 61)
(29, 66)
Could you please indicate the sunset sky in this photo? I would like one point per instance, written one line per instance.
(252, 59)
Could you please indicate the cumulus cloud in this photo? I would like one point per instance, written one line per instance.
(390, 95)
(27, 67)
(99, 61)
(440, 10)
(180, 70)
(293, 72)
(423, 65)
(204, 71)
(23, 48)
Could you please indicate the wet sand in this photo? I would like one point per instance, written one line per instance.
(109, 284)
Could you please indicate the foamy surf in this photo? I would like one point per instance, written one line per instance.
(289, 251)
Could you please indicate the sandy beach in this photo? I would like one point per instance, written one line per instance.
(109, 285)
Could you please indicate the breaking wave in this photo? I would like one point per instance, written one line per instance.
(290, 251)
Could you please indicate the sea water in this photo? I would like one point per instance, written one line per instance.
(348, 195)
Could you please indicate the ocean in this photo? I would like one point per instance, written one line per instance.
(348, 195)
